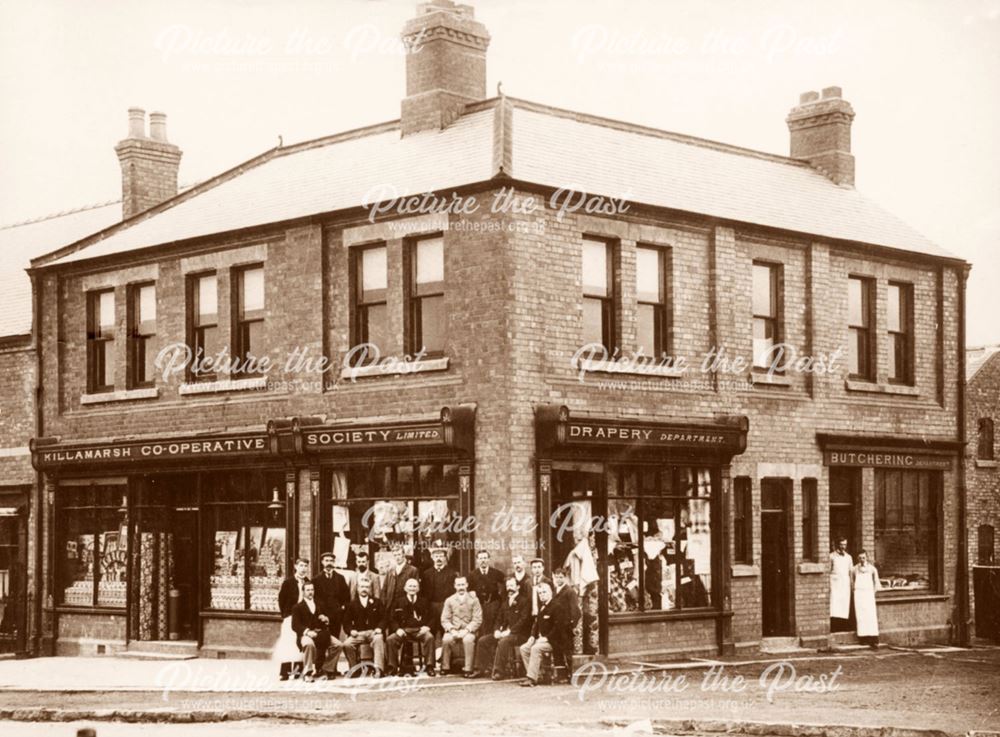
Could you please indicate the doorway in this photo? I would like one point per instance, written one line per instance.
(776, 559)
(13, 591)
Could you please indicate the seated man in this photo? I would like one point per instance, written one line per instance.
(312, 634)
(461, 618)
(409, 621)
(495, 650)
(547, 634)
(363, 621)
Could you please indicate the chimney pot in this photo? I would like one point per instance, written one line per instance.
(831, 92)
(807, 97)
(158, 126)
(136, 122)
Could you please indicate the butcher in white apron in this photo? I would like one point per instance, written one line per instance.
(840, 587)
(866, 583)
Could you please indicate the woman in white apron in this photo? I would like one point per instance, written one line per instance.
(866, 583)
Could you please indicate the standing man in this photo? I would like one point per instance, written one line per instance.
(521, 575)
(363, 623)
(461, 618)
(495, 651)
(538, 577)
(363, 571)
(312, 634)
(840, 587)
(565, 596)
(397, 576)
(438, 583)
(332, 593)
(487, 584)
(409, 621)
(547, 634)
(290, 594)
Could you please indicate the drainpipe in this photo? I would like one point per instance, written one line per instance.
(38, 503)
(962, 579)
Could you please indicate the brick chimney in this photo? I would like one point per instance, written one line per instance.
(149, 163)
(445, 65)
(820, 128)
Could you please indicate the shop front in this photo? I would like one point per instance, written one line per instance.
(636, 511)
(186, 540)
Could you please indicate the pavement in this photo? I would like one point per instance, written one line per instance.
(859, 693)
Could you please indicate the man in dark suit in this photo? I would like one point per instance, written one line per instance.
(409, 620)
(364, 571)
(290, 594)
(487, 583)
(495, 650)
(397, 576)
(538, 577)
(438, 583)
(312, 634)
(565, 596)
(521, 575)
(332, 592)
(548, 634)
(363, 621)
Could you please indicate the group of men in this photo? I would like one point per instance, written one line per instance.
(487, 617)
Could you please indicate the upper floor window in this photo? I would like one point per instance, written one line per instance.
(101, 341)
(371, 286)
(427, 318)
(861, 343)
(900, 325)
(204, 323)
(653, 297)
(248, 327)
(141, 332)
(598, 294)
(986, 439)
(766, 312)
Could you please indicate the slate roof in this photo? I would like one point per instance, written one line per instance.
(976, 358)
(21, 242)
(531, 143)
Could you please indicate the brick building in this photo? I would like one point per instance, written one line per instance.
(693, 507)
(982, 416)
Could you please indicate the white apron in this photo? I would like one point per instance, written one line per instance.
(285, 649)
(866, 583)
(840, 585)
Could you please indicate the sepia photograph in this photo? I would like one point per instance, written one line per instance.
(443, 368)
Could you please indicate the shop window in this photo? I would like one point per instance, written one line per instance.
(742, 520)
(141, 335)
(659, 538)
(653, 297)
(987, 551)
(248, 325)
(101, 341)
(907, 529)
(766, 312)
(371, 287)
(845, 491)
(860, 321)
(92, 547)
(900, 324)
(203, 325)
(598, 294)
(246, 538)
(428, 320)
(810, 520)
(984, 451)
(378, 507)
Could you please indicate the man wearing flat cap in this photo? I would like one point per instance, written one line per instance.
(538, 578)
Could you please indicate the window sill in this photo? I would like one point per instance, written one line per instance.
(987, 464)
(807, 568)
(870, 387)
(399, 368)
(767, 379)
(888, 596)
(239, 614)
(124, 395)
(652, 371)
(85, 609)
(226, 385)
(664, 615)
(744, 570)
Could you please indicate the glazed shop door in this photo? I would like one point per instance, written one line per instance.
(13, 592)
(577, 496)
(776, 559)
